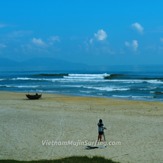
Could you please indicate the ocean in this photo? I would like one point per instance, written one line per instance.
(134, 85)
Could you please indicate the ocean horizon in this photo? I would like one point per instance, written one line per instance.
(144, 85)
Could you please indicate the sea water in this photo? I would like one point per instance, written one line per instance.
(135, 85)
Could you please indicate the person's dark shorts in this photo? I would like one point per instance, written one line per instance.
(100, 133)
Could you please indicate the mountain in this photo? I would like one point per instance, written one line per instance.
(41, 64)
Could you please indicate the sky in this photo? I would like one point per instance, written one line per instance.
(93, 32)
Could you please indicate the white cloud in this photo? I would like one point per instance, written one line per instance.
(100, 35)
(135, 45)
(161, 40)
(91, 41)
(138, 27)
(20, 33)
(132, 45)
(54, 38)
(38, 42)
(2, 46)
(127, 44)
(3, 25)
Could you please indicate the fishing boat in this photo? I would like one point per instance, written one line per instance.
(33, 97)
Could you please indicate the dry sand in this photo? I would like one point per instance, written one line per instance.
(25, 124)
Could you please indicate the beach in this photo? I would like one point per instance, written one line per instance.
(36, 129)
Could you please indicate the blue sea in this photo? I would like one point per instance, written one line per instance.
(135, 85)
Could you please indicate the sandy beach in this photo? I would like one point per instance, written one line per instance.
(25, 126)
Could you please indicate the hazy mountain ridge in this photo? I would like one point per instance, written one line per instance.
(40, 64)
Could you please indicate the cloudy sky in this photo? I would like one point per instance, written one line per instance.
(95, 32)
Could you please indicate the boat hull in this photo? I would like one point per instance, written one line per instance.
(33, 97)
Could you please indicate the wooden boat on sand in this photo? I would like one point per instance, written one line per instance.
(33, 97)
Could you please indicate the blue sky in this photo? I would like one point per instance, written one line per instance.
(95, 32)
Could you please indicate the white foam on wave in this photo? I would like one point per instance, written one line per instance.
(27, 86)
(127, 81)
(74, 86)
(7, 86)
(118, 96)
(155, 81)
(132, 97)
(20, 86)
(23, 78)
(65, 80)
(86, 76)
(89, 78)
(136, 81)
(147, 88)
(85, 92)
(141, 97)
(109, 89)
(34, 79)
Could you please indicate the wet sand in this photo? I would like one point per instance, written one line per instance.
(25, 125)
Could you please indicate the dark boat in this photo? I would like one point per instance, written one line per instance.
(34, 97)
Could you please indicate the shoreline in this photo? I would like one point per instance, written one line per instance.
(26, 123)
(84, 96)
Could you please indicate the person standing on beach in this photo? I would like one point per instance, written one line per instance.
(101, 129)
